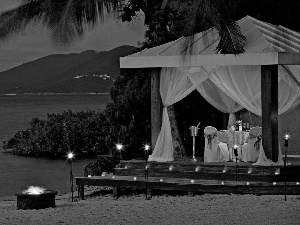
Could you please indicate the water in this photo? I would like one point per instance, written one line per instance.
(17, 172)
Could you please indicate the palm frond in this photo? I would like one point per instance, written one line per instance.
(231, 39)
(16, 20)
(67, 20)
(203, 14)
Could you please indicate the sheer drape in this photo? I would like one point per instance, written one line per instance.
(243, 85)
(200, 77)
(264, 161)
(174, 86)
(227, 88)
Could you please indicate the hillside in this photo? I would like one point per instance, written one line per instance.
(89, 71)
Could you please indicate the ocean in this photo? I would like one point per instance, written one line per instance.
(18, 172)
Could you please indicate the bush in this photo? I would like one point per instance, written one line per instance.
(104, 164)
(60, 133)
(87, 133)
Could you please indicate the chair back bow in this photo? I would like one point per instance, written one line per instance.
(209, 138)
(257, 142)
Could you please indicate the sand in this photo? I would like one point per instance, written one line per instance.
(100, 208)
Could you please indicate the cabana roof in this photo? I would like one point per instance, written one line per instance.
(266, 44)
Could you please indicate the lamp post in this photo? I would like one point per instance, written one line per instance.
(119, 147)
(147, 148)
(236, 174)
(286, 145)
(70, 158)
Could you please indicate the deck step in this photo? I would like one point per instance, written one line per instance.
(193, 166)
(190, 185)
(196, 175)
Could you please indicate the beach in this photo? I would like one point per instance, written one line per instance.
(100, 208)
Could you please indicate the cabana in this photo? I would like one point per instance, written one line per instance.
(265, 80)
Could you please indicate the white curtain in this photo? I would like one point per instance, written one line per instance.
(228, 89)
(174, 86)
(264, 161)
(243, 85)
(200, 77)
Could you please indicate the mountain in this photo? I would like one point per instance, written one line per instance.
(84, 72)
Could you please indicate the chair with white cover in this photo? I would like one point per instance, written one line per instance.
(250, 150)
(213, 151)
(223, 152)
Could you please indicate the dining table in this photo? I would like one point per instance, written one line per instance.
(232, 138)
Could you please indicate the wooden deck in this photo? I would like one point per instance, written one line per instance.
(198, 177)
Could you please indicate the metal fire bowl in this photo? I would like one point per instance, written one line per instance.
(40, 201)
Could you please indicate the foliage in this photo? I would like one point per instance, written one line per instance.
(126, 120)
(189, 17)
(103, 164)
(66, 20)
(60, 133)
(131, 111)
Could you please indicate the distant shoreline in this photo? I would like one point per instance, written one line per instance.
(77, 93)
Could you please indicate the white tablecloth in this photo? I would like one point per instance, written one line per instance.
(233, 138)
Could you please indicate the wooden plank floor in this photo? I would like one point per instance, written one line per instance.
(198, 177)
(188, 185)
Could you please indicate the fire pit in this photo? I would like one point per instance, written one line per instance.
(36, 198)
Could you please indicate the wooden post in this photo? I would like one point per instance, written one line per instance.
(116, 193)
(149, 193)
(191, 194)
(269, 107)
(81, 192)
(156, 106)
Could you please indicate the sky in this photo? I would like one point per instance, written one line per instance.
(35, 42)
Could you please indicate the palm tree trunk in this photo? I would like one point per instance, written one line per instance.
(179, 150)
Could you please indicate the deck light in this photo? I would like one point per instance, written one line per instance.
(119, 147)
(235, 147)
(147, 147)
(286, 140)
(192, 181)
(286, 145)
(70, 155)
